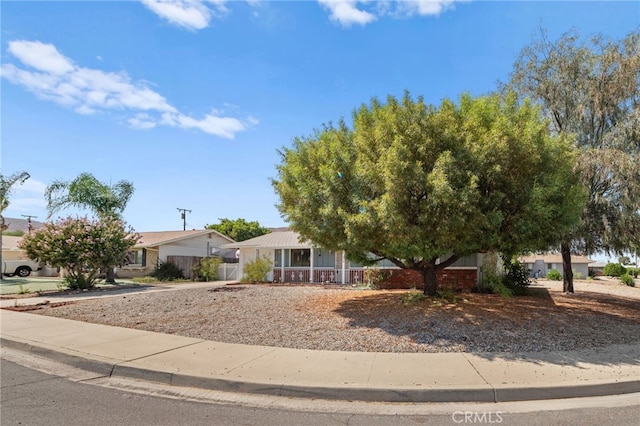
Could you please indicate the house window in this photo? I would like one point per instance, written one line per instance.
(277, 258)
(301, 257)
(136, 257)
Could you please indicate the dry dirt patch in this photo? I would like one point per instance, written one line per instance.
(313, 317)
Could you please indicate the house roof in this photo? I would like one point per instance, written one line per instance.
(10, 243)
(154, 239)
(283, 239)
(553, 258)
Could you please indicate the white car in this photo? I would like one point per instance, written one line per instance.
(21, 268)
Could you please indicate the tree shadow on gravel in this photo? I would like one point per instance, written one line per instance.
(542, 327)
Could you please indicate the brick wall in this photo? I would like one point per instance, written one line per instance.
(458, 279)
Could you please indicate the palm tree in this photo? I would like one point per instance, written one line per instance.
(86, 191)
(5, 189)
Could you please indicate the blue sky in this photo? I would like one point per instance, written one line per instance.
(191, 100)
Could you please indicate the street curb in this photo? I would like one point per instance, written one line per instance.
(81, 363)
(367, 394)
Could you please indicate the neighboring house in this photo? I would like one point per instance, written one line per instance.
(154, 247)
(543, 263)
(11, 251)
(597, 268)
(302, 262)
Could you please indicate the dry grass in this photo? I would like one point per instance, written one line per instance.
(314, 317)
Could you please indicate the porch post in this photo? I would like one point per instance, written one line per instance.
(311, 265)
(344, 268)
(282, 265)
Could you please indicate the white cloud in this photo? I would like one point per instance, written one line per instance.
(212, 123)
(88, 91)
(142, 121)
(424, 7)
(189, 14)
(27, 197)
(348, 12)
(43, 57)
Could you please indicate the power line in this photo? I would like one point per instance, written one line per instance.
(183, 214)
(29, 224)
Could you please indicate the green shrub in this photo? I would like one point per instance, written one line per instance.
(373, 276)
(554, 275)
(207, 269)
(614, 270)
(167, 271)
(79, 282)
(628, 280)
(412, 298)
(256, 271)
(634, 272)
(500, 289)
(516, 277)
(578, 275)
(491, 275)
(447, 294)
(144, 280)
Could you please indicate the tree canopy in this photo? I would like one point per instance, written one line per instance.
(590, 91)
(86, 191)
(238, 229)
(422, 185)
(81, 246)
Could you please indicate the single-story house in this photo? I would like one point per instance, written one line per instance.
(540, 264)
(10, 249)
(295, 261)
(597, 268)
(154, 247)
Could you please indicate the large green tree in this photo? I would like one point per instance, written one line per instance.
(238, 229)
(85, 191)
(6, 185)
(590, 90)
(422, 186)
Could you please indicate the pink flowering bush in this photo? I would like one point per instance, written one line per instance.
(81, 246)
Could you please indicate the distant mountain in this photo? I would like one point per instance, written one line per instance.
(21, 224)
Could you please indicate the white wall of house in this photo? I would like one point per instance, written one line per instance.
(544, 268)
(250, 254)
(195, 246)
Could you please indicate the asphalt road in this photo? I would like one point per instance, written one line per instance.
(30, 397)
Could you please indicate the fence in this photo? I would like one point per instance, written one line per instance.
(229, 271)
(226, 271)
(185, 263)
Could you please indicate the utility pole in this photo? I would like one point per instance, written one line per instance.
(29, 225)
(183, 214)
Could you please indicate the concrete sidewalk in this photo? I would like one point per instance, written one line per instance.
(9, 300)
(389, 377)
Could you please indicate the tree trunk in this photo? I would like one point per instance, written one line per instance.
(567, 272)
(110, 279)
(429, 280)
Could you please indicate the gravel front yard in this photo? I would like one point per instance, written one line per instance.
(314, 317)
